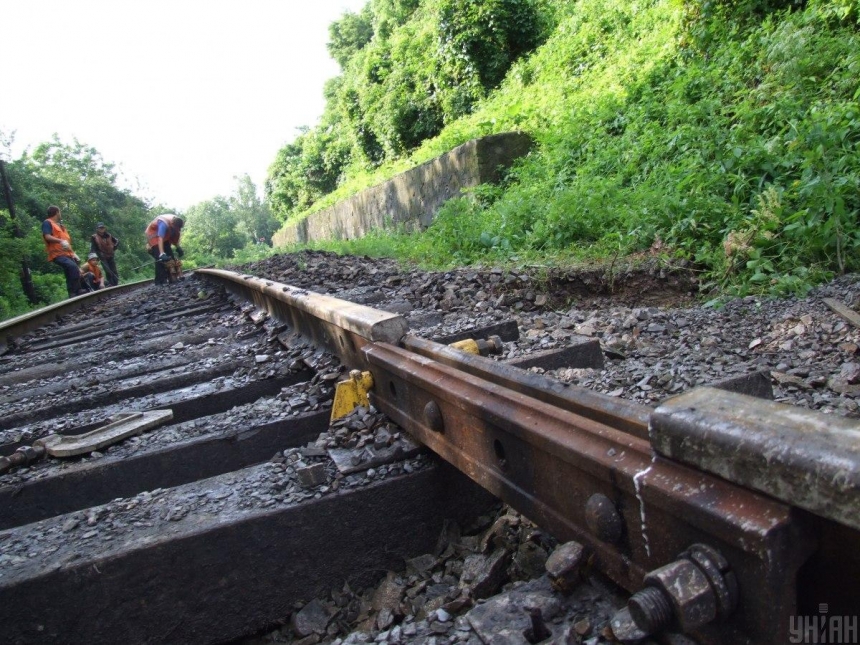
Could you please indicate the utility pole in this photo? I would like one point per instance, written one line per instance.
(26, 277)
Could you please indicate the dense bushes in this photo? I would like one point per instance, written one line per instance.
(725, 132)
(481, 38)
(743, 158)
(304, 171)
(410, 68)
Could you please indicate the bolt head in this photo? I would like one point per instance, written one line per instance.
(563, 566)
(603, 519)
(433, 417)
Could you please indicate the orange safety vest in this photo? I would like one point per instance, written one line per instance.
(88, 267)
(152, 231)
(54, 249)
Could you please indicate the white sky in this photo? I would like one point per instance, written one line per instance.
(180, 94)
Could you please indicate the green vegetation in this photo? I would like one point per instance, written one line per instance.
(410, 68)
(725, 132)
(239, 226)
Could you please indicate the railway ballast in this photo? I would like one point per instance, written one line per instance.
(723, 516)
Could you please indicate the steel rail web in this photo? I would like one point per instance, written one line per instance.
(548, 451)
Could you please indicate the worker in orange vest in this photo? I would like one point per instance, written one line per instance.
(91, 273)
(161, 233)
(58, 245)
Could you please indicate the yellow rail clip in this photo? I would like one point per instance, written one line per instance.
(468, 345)
(480, 347)
(351, 393)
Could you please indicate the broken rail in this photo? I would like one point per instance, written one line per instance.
(725, 515)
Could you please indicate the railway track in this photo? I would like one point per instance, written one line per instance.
(727, 517)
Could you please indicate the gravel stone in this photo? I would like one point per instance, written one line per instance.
(657, 338)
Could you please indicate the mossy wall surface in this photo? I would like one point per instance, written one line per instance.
(410, 200)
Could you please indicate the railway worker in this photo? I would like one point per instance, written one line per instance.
(104, 245)
(91, 273)
(161, 233)
(58, 245)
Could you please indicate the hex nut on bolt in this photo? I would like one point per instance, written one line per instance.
(693, 600)
(716, 568)
(689, 593)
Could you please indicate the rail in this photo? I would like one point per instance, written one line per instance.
(20, 325)
(726, 515)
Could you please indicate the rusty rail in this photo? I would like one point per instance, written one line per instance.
(715, 548)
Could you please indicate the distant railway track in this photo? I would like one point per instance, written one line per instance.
(725, 515)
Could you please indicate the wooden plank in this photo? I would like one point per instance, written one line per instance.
(843, 310)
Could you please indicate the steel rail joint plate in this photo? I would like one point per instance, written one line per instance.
(338, 326)
(128, 425)
(548, 462)
(802, 457)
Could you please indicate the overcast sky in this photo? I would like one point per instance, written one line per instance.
(182, 94)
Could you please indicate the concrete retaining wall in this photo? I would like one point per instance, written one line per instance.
(411, 199)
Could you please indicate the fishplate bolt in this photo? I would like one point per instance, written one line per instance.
(691, 592)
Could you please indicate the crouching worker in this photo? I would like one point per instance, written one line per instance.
(91, 273)
(162, 236)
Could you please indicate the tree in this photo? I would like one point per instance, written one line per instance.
(349, 34)
(254, 219)
(220, 226)
(211, 227)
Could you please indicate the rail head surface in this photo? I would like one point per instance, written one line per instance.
(306, 310)
(806, 458)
